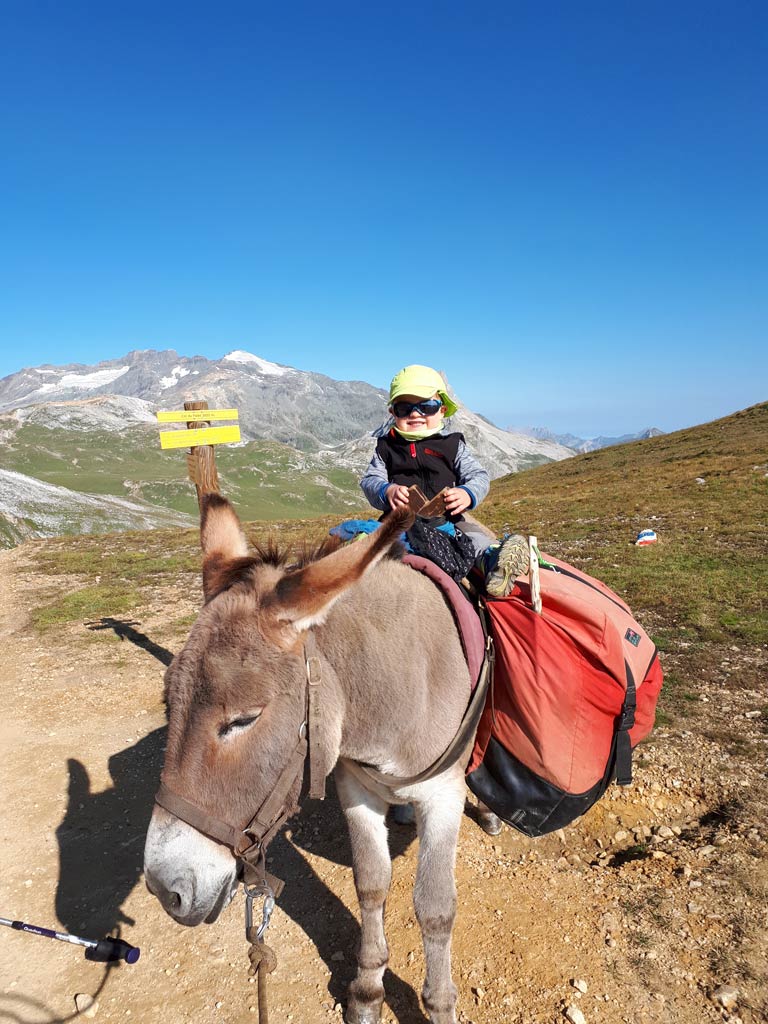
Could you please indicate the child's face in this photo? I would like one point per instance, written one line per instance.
(417, 419)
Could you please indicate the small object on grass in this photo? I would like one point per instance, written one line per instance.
(645, 537)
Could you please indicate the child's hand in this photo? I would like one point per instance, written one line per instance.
(456, 500)
(397, 496)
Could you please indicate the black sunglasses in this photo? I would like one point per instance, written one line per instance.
(427, 407)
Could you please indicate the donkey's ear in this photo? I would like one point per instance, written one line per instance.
(303, 598)
(222, 540)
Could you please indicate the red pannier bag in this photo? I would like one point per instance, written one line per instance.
(574, 690)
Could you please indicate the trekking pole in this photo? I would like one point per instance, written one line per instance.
(101, 950)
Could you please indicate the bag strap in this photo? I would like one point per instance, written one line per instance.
(619, 766)
(467, 727)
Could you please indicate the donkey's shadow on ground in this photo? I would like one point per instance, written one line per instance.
(101, 846)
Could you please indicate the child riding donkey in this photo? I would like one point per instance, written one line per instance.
(418, 450)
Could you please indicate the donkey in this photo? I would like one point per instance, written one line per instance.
(393, 690)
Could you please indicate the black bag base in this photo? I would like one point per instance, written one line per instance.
(524, 800)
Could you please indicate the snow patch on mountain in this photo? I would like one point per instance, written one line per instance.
(314, 411)
(238, 356)
(173, 379)
(96, 379)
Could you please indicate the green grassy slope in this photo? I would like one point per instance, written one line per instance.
(703, 490)
(266, 479)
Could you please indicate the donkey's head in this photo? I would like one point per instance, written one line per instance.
(237, 702)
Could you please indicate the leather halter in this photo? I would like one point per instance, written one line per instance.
(249, 842)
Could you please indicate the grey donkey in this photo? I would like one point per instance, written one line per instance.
(393, 692)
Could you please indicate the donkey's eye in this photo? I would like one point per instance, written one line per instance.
(238, 724)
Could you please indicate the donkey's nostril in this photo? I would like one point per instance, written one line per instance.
(174, 901)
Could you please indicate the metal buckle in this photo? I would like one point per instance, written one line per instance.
(253, 893)
(254, 844)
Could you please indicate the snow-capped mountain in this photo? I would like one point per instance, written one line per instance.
(306, 438)
(303, 409)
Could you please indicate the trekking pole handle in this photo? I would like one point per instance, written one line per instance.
(108, 950)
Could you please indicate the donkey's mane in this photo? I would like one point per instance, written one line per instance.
(289, 558)
(284, 556)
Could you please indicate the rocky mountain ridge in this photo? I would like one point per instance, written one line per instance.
(589, 444)
(303, 409)
(306, 410)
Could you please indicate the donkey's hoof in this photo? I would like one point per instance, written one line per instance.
(489, 822)
(364, 1003)
(357, 1013)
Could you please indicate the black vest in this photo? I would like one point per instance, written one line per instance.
(428, 462)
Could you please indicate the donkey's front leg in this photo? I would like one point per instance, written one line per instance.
(438, 817)
(372, 867)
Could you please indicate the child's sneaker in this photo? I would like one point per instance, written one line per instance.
(514, 559)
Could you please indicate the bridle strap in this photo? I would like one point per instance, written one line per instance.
(457, 748)
(191, 813)
(272, 813)
(314, 678)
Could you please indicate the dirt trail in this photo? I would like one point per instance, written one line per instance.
(653, 900)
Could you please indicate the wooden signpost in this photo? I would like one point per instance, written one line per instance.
(200, 437)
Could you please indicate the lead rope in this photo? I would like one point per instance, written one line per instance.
(263, 958)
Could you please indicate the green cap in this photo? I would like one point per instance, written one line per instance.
(422, 382)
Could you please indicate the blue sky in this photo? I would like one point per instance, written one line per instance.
(561, 205)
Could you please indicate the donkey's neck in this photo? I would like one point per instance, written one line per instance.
(399, 682)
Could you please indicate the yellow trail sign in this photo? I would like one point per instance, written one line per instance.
(200, 439)
(192, 415)
(202, 435)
